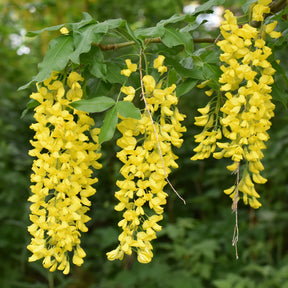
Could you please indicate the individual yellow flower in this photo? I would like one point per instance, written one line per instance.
(149, 83)
(269, 29)
(158, 64)
(130, 68)
(64, 31)
(129, 91)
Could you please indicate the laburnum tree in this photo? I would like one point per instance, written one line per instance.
(150, 69)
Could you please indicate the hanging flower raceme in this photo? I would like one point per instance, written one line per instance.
(210, 121)
(61, 173)
(145, 167)
(246, 83)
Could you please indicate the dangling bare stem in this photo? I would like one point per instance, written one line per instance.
(154, 128)
(235, 210)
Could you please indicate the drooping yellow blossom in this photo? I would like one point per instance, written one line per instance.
(210, 121)
(129, 91)
(149, 83)
(269, 29)
(158, 64)
(130, 68)
(260, 9)
(61, 173)
(145, 168)
(246, 81)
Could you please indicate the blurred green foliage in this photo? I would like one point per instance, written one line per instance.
(194, 248)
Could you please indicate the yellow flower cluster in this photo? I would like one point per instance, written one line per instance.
(243, 51)
(211, 132)
(246, 81)
(145, 168)
(61, 173)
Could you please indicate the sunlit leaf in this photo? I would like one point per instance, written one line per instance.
(245, 7)
(173, 19)
(207, 6)
(104, 27)
(87, 19)
(97, 104)
(51, 28)
(130, 32)
(82, 41)
(56, 57)
(157, 31)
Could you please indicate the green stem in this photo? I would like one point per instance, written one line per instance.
(120, 91)
(50, 280)
(146, 63)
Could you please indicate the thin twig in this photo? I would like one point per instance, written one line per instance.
(116, 46)
(154, 128)
(217, 38)
(235, 210)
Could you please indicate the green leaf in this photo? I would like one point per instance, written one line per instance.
(56, 57)
(114, 74)
(245, 7)
(191, 26)
(127, 110)
(92, 33)
(83, 39)
(51, 28)
(280, 72)
(105, 26)
(94, 105)
(157, 31)
(207, 6)
(184, 72)
(109, 126)
(278, 93)
(211, 71)
(185, 87)
(129, 32)
(95, 60)
(30, 105)
(25, 86)
(211, 57)
(87, 19)
(96, 86)
(174, 38)
(173, 19)
(172, 77)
